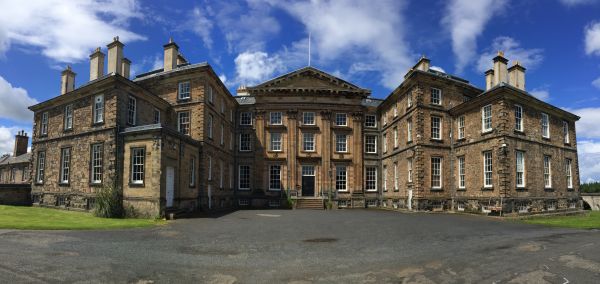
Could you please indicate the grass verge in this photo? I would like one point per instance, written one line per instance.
(590, 220)
(39, 218)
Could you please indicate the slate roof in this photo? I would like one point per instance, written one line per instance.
(25, 158)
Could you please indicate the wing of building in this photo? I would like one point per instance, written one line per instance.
(176, 139)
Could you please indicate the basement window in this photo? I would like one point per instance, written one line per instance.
(244, 202)
(460, 206)
(342, 203)
(372, 203)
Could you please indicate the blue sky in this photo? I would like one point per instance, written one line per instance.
(370, 43)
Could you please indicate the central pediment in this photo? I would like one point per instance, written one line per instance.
(308, 79)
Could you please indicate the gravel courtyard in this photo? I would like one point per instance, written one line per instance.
(301, 246)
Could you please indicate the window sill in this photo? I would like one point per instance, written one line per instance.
(184, 100)
(243, 189)
(461, 139)
(100, 123)
(68, 130)
(436, 105)
(274, 151)
(436, 189)
(338, 152)
(436, 140)
(96, 184)
(521, 189)
(548, 189)
(409, 142)
(546, 139)
(491, 188)
(519, 132)
(371, 153)
(461, 189)
(274, 189)
(486, 132)
(64, 184)
(308, 151)
(136, 184)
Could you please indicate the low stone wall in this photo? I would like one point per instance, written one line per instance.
(15, 194)
(592, 199)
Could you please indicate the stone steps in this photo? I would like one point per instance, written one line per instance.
(313, 203)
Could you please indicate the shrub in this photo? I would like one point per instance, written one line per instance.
(109, 203)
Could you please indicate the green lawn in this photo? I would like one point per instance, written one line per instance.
(590, 220)
(38, 218)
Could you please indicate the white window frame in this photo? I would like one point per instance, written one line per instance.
(395, 137)
(156, 116)
(184, 127)
(276, 141)
(408, 100)
(371, 121)
(98, 113)
(245, 118)
(384, 142)
(41, 167)
(396, 177)
(410, 169)
(566, 132)
(341, 178)
(275, 182)
(68, 122)
(370, 178)
(569, 172)
(486, 118)
(385, 172)
(243, 177)
(545, 125)
(395, 110)
(97, 159)
(547, 171)
(308, 142)
(519, 118)
(65, 165)
(308, 118)
(436, 127)
(436, 96)
(138, 165)
(461, 127)
(436, 172)
(409, 130)
(369, 144)
(276, 118)
(183, 90)
(461, 172)
(520, 169)
(131, 110)
(44, 124)
(341, 145)
(210, 126)
(488, 169)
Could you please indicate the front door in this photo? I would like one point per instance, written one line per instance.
(308, 180)
(170, 186)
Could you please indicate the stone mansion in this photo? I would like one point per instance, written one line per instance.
(176, 139)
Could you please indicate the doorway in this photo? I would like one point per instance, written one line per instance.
(308, 181)
(170, 186)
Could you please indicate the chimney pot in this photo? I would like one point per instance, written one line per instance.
(96, 64)
(516, 75)
(170, 55)
(115, 56)
(67, 80)
(126, 67)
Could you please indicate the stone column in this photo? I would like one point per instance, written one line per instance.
(357, 149)
(292, 147)
(326, 144)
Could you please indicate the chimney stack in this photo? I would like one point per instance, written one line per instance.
(21, 142)
(115, 56)
(67, 80)
(96, 64)
(489, 79)
(423, 64)
(500, 71)
(171, 54)
(516, 75)
(242, 90)
(125, 68)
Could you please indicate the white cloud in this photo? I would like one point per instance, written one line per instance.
(541, 93)
(589, 160)
(15, 101)
(592, 39)
(223, 78)
(465, 20)
(529, 58)
(66, 31)
(255, 67)
(587, 126)
(202, 25)
(148, 63)
(596, 83)
(572, 3)
(366, 33)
